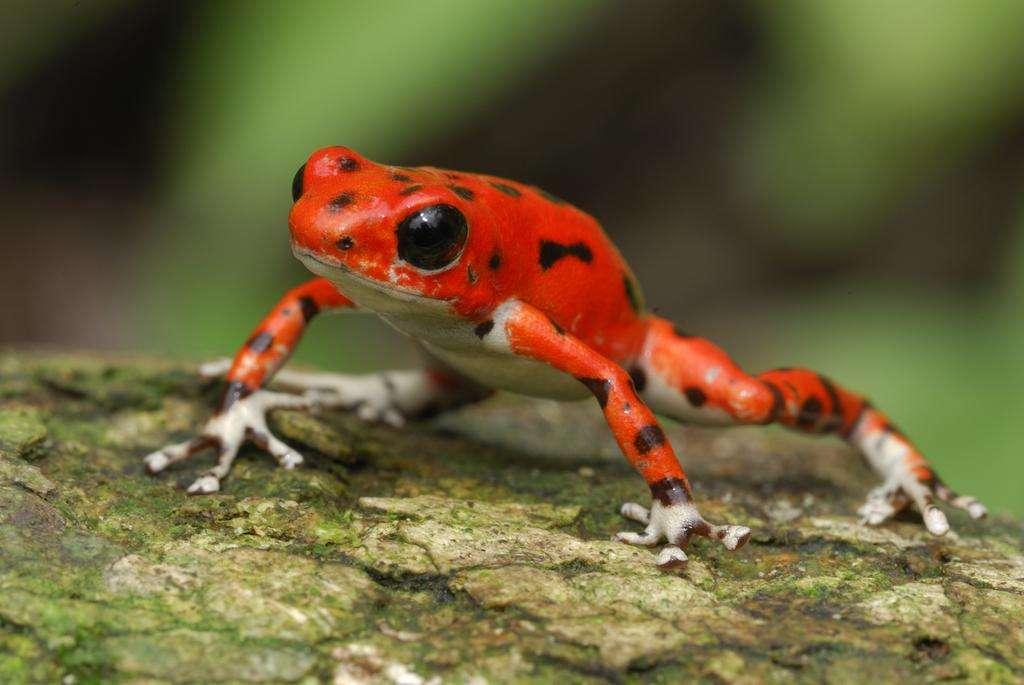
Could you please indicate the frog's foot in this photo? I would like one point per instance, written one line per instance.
(886, 500)
(373, 397)
(677, 523)
(384, 397)
(225, 432)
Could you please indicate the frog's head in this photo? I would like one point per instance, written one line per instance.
(378, 230)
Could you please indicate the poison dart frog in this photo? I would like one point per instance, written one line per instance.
(505, 286)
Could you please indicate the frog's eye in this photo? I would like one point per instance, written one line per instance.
(297, 183)
(433, 237)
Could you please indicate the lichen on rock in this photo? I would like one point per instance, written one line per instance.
(476, 546)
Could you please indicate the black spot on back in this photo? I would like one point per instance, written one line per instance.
(483, 328)
(636, 300)
(551, 198)
(347, 163)
(505, 188)
(309, 307)
(463, 192)
(551, 252)
(495, 261)
(695, 396)
(639, 378)
(649, 437)
(400, 177)
(471, 273)
(341, 201)
(600, 387)
(409, 190)
(261, 342)
(558, 329)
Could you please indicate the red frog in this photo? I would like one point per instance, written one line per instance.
(508, 287)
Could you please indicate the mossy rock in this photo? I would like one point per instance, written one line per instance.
(475, 546)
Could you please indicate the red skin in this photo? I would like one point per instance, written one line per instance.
(584, 315)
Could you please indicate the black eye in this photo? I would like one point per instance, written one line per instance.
(297, 183)
(433, 237)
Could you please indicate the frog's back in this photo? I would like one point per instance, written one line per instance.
(557, 258)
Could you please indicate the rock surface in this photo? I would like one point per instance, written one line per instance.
(473, 547)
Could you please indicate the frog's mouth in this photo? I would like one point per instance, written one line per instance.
(348, 279)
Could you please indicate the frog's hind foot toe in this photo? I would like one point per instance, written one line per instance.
(677, 524)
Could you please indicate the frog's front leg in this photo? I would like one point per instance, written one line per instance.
(243, 408)
(521, 329)
(390, 396)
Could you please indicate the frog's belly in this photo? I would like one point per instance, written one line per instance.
(444, 334)
(508, 372)
(512, 373)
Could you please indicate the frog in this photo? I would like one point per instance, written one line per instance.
(504, 286)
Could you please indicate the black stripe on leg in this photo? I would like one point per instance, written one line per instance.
(848, 430)
(639, 378)
(601, 387)
(236, 390)
(835, 420)
(778, 402)
(309, 307)
(670, 491)
(261, 342)
(810, 412)
(649, 437)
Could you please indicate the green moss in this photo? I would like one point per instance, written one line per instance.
(22, 431)
(483, 556)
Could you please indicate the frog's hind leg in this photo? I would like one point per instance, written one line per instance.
(392, 397)
(691, 379)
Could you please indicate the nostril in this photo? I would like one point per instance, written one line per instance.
(345, 243)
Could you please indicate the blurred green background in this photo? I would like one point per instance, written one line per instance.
(834, 184)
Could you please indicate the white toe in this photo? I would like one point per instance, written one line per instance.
(157, 461)
(976, 510)
(635, 512)
(735, 537)
(204, 485)
(671, 558)
(215, 368)
(645, 539)
(291, 460)
(935, 521)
